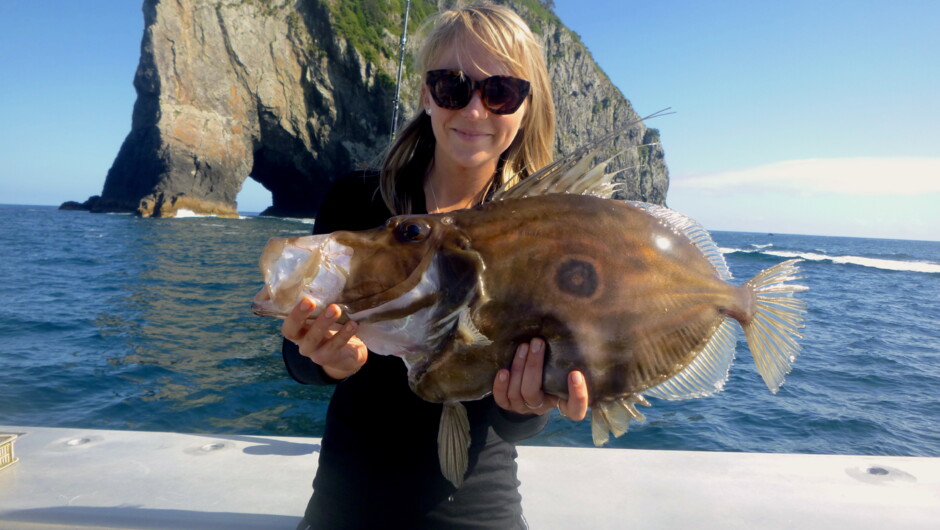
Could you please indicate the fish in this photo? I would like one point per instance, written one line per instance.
(636, 296)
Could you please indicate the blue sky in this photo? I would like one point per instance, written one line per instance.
(792, 117)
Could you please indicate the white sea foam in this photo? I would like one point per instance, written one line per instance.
(876, 263)
(302, 220)
(183, 213)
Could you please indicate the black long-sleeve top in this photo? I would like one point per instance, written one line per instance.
(378, 464)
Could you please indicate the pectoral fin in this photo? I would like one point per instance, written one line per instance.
(468, 332)
(453, 442)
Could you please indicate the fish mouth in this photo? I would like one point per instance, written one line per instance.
(314, 267)
(266, 308)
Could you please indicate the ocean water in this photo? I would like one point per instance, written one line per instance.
(117, 322)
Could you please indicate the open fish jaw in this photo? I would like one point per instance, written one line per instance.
(293, 268)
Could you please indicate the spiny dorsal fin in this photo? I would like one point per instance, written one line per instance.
(692, 230)
(453, 442)
(576, 173)
(707, 372)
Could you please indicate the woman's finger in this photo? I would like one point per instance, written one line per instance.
(514, 392)
(318, 329)
(342, 354)
(501, 389)
(293, 326)
(531, 385)
(575, 407)
(345, 333)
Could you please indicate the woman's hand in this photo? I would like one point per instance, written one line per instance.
(520, 389)
(335, 348)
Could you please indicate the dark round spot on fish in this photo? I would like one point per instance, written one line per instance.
(577, 277)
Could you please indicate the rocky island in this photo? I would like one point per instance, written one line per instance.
(293, 93)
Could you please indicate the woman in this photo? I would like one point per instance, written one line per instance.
(487, 120)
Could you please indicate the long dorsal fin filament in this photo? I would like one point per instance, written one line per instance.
(578, 173)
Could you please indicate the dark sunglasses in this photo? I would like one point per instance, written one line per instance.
(500, 94)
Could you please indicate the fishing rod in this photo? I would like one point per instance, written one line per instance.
(401, 62)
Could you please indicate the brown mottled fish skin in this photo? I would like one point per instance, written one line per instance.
(386, 265)
(615, 292)
(383, 268)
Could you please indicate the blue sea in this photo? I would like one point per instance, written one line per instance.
(118, 322)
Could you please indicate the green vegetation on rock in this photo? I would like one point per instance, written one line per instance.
(366, 24)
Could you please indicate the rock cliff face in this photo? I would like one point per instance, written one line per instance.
(295, 92)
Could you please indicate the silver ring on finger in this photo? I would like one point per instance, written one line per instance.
(534, 407)
(558, 406)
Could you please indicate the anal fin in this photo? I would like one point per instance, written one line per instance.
(614, 416)
(453, 442)
(707, 372)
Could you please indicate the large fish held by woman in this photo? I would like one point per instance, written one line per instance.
(634, 295)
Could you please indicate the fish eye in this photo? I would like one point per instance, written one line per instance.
(412, 231)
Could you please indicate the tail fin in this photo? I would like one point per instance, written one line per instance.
(772, 333)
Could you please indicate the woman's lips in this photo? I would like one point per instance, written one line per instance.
(470, 135)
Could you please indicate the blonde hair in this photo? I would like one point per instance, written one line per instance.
(505, 36)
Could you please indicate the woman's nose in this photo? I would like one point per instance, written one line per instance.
(475, 109)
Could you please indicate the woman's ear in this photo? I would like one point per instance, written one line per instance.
(425, 98)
